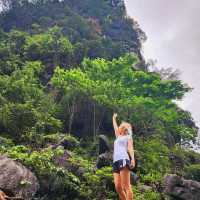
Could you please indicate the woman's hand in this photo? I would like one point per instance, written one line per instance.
(132, 163)
(115, 115)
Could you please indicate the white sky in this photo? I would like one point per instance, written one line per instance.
(173, 31)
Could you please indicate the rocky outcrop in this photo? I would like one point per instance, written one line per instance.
(16, 180)
(177, 163)
(62, 161)
(179, 188)
(145, 188)
(104, 145)
(66, 141)
(104, 159)
(105, 152)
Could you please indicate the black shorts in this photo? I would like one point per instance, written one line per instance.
(119, 164)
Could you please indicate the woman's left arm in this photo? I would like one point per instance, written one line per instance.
(131, 151)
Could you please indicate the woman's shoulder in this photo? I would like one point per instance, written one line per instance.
(129, 137)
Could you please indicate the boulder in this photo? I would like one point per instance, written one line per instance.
(179, 188)
(177, 163)
(66, 141)
(104, 145)
(145, 188)
(62, 161)
(104, 159)
(134, 178)
(69, 142)
(16, 180)
(105, 153)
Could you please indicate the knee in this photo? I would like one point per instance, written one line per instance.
(127, 188)
(118, 188)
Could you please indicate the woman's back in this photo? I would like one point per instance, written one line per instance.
(120, 148)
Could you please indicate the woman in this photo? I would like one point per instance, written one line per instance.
(123, 159)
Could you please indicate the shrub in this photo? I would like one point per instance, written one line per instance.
(153, 156)
(149, 195)
(69, 142)
(192, 172)
(60, 182)
(99, 185)
(5, 142)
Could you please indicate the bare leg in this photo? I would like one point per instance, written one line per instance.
(118, 186)
(126, 184)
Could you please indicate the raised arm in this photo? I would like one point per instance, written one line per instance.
(115, 126)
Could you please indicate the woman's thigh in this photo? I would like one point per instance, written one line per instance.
(117, 179)
(125, 177)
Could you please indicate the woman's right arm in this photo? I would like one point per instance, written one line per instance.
(115, 126)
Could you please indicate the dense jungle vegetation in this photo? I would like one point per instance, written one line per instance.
(65, 67)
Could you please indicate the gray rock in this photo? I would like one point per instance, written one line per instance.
(179, 188)
(104, 145)
(145, 188)
(63, 161)
(105, 152)
(134, 178)
(104, 159)
(16, 179)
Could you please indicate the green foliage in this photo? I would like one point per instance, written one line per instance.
(70, 142)
(5, 143)
(142, 97)
(64, 68)
(153, 177)
(187, 161)
(41, 161)
(186, 155)
(100, 183)
(150, 195)
(17, 118)
(23, 108)
(60, 180)
(50, 47)
(23, 85)
(192, 172)
(153, 155)
(103, 25)
(52, 138)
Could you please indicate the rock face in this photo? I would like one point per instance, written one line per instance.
(105, 153)
(16, 180)
(63, 161)
(66, 141)
(104, 159)
(177, 163)
(104, 145)
(179, 188)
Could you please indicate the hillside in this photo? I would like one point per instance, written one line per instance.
(65, 68)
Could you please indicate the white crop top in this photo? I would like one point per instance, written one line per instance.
(121, 147)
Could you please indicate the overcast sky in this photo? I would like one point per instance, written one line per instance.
(173, 31)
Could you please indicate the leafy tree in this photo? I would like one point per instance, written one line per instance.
(51, 47)
(23, 110)
(91, 20)
(65, 67)
(141, 97)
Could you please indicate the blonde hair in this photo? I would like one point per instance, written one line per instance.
(124, 126)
